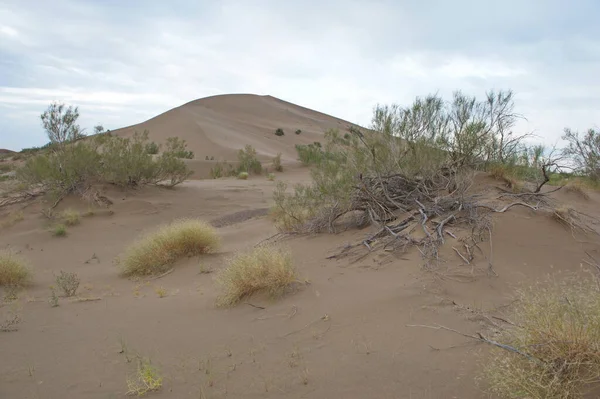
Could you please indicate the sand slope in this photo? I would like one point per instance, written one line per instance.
(219, 126)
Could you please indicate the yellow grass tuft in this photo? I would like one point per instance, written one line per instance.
(558, 334)
(155, 252)
(146, 379)
(264, 269)
(70, 217)
(14, 271)
(243, 176)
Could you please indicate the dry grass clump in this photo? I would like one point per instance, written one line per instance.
(155, 252)
(70, 217)
(146, 379)
(558, 334)
(59, 230)
(243, 176)
(264, 269)
(14, 271)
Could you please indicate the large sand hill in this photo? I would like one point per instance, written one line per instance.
(343, 334)
(219, 126)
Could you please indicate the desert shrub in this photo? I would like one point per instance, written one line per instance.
(221, 169)
(68, 283)
(584, 151)
(310, 154)
(70, 217)
(248, 161)
(243, 176)
(271, 176)
(279, 132)
(277, 166)
(102, 159)
(152, 148)
(558, 337)
(178, 148)
(262, 269)
(146, 379)
(59, 230)
(156, 251)
(14, 271)
(6, 167)
(298, 131)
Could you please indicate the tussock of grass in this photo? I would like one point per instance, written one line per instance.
(155, 252)
(70, 217)
(14, 271)
(146, 379)
(559, 328)
(60, 230)
(264, 269)
(243, 176)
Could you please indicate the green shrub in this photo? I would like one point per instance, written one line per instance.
(152, 148)
(59, 230)
(156, 251)
(221, 169)
(310, 154)
(178, 147)
(102, 159)
(298, 131)
(243, 176)
(14, 271)
(277, 166)
(271, 176)
(248, 161)
(279, 132)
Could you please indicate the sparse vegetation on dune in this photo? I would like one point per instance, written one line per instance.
(263, 269)
(14, 271)
(146, 379)
(72, 163)
(70, 217)
(156, 251)
(557, 335)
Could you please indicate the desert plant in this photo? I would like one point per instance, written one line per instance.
(178, 147)
(14, 271)
(279, 132)
(243, 176)
(277, 166)
(557, 341)
(271, 176)
(152, 148)
(261, 269)
(53, 299)
(146, 379)
(156, 251)
(248, 161)
(68, 283)
(59, 230)
(584, 151)
(70, 217)
(60, 123)
(310, 154)
(12, 219)
(298, 131)
(221, 169)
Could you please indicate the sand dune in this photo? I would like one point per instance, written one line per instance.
(344, 334)
(219, 126)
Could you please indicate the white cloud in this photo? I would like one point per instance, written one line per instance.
(124, 62)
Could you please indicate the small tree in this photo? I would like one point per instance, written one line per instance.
(99, 129)
(279, 132)
(584, 151)
(60, 123)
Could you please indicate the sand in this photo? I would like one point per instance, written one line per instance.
(345, 333)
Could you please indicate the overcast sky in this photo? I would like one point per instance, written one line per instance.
(123, 62)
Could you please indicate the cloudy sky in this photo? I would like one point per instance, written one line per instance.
(123, 62)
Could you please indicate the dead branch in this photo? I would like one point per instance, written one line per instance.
(461, 255)
(481, 338)
(507, 207)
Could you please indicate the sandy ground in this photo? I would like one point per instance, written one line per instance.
(347, 333)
